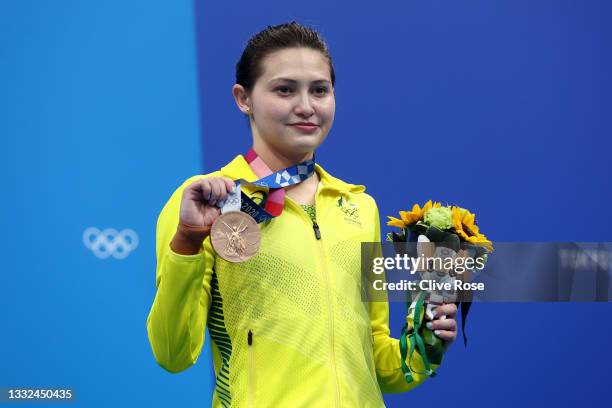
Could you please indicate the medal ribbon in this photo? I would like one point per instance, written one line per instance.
(274, 181)
(411, 338)
(276, 196)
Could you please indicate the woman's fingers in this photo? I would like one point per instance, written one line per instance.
(448, 309)
(204, 188)
(445, 329)
(229, 184)
(446, 335)
(222, 192)
(216, 191)
(211, 190)
(446, 324)
(202, 199)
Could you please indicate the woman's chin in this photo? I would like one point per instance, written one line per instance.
(303, 148)
(305, 143)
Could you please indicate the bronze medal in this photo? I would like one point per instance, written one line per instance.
(235, 236)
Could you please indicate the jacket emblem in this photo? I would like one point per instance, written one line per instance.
(350, 211)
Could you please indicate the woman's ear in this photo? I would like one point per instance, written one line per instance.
(242, 99)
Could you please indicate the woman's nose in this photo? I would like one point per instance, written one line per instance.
(304, 106)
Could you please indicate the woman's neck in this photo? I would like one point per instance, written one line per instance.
(276, 160)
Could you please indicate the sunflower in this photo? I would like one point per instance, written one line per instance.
(411, 217)
(465, 226)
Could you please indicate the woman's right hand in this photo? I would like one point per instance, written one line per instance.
(200, 207)
(202, 199)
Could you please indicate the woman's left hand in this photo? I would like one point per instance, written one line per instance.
(445, 329)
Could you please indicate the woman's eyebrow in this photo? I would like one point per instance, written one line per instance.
(293, 81)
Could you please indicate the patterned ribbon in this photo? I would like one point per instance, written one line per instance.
(276, 196)
(274, 181)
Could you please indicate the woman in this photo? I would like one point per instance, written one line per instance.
(287, 326)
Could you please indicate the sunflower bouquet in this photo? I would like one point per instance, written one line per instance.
(448, 233)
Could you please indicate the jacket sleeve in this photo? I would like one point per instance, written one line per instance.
(387, 356)
(177, 319)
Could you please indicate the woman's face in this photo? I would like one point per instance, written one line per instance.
(292, 103)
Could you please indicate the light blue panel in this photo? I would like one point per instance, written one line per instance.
(99, 124)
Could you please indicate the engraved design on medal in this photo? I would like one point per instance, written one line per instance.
(235, 236)
(235, 242)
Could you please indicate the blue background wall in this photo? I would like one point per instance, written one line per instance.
(106, 108)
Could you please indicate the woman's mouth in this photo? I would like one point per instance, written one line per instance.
(305, 127)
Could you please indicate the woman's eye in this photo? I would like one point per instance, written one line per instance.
(321, 90)
(284, 90)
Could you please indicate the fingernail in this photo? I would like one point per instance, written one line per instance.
(429, 325)
(437, 332)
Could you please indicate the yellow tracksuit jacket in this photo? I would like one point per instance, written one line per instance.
(288, 327)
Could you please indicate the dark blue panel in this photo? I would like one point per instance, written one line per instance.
(500, 106)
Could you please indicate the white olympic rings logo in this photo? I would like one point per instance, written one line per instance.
(110, 242)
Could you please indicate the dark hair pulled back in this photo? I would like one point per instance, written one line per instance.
(274, 38)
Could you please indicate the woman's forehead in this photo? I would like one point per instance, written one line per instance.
(297, 64)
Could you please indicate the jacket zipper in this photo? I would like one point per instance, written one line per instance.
(330, 312)
(316, 229)
(251, 363)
